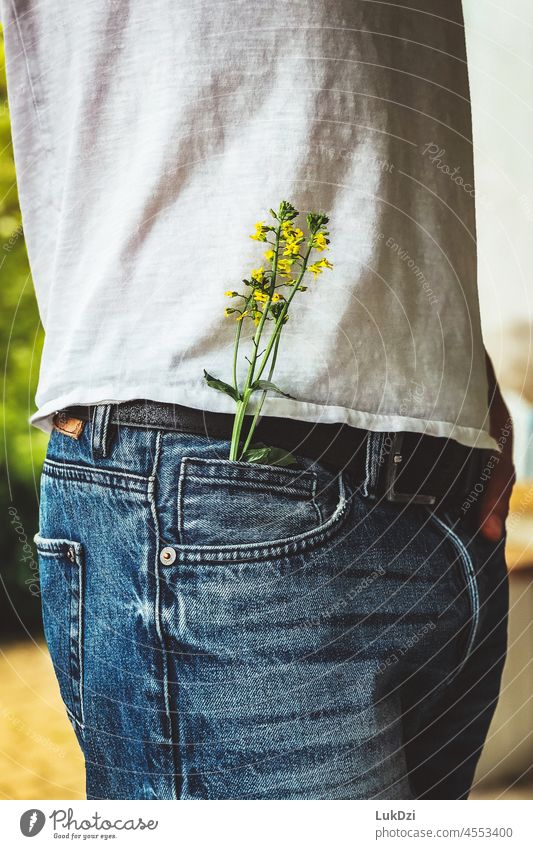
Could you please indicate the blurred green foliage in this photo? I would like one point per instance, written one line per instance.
(21, 340)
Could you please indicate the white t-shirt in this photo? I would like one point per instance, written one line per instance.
(150, 137)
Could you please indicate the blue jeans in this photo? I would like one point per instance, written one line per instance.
(223, 630)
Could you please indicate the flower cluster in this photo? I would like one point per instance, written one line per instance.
(270, 291)
(287, 258)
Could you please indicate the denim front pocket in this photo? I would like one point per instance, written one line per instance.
(233, 507)
(462, 559)
(61, 578)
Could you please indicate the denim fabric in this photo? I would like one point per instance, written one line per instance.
(299, 640)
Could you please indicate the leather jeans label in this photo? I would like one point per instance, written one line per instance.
(68, 425)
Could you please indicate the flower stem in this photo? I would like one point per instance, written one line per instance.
(283, 313)
(237, 426)
(236, 346)
(247, 391)
(261, 402)
(271, 348)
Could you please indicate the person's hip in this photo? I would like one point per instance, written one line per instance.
(237, 630)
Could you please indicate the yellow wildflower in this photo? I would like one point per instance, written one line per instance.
(269, 255)
(242, 315)
(259, 295)
(292, 248)
(230, 294)
(320, 242)
(257, 274)
(261, 231)
(257, 317)
(276, 297)
(285, 267)
(318, 267)
(287, 229)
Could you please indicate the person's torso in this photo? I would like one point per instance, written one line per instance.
(150, 138)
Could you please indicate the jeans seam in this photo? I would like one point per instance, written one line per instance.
(75, 647)
(368, 466)
(287, 547)
(180, 495)
(157, 609)
(231, 471)
(469, 576)
(80, 560)
(78, 467)
(315, 502)
(105, 478)
(73, 665)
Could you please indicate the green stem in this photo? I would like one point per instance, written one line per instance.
(237, 426)
(261, 402)
(283, 313)
(236, 347)
(246, 393)
(257, 337)
(274, 341)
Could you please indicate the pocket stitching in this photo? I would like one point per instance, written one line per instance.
(50, 547)
(193, 553)
(308, 477)
(54, 548)
(316, 505)
(96, 476)
(470, 579)
(187, 463)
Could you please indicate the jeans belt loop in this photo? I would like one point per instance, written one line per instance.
(373, 461)
(101, 432)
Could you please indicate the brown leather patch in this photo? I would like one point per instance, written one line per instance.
(68, 425)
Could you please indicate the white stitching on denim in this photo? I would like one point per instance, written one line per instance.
(251, 484)
(95, 435)
(366, 481)
(59, 547)
(191, 553)
(234, 467)
(179, 502)
(51, 545)
(105, 430)
(471, 582)
(157, 600)
(184, 473)
(107, 471)
(315, 502)
(76, 467)
(375, 457)
(80, 563)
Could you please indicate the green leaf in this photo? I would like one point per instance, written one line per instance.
(262, 453)
(256, 454)
(267, 384)
(215, 383)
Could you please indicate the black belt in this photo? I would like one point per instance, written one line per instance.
(401, 467)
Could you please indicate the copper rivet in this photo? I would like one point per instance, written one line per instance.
(167, 556)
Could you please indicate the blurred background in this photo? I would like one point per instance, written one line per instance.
(39, 757)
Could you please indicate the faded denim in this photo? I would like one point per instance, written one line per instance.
(305, 642)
